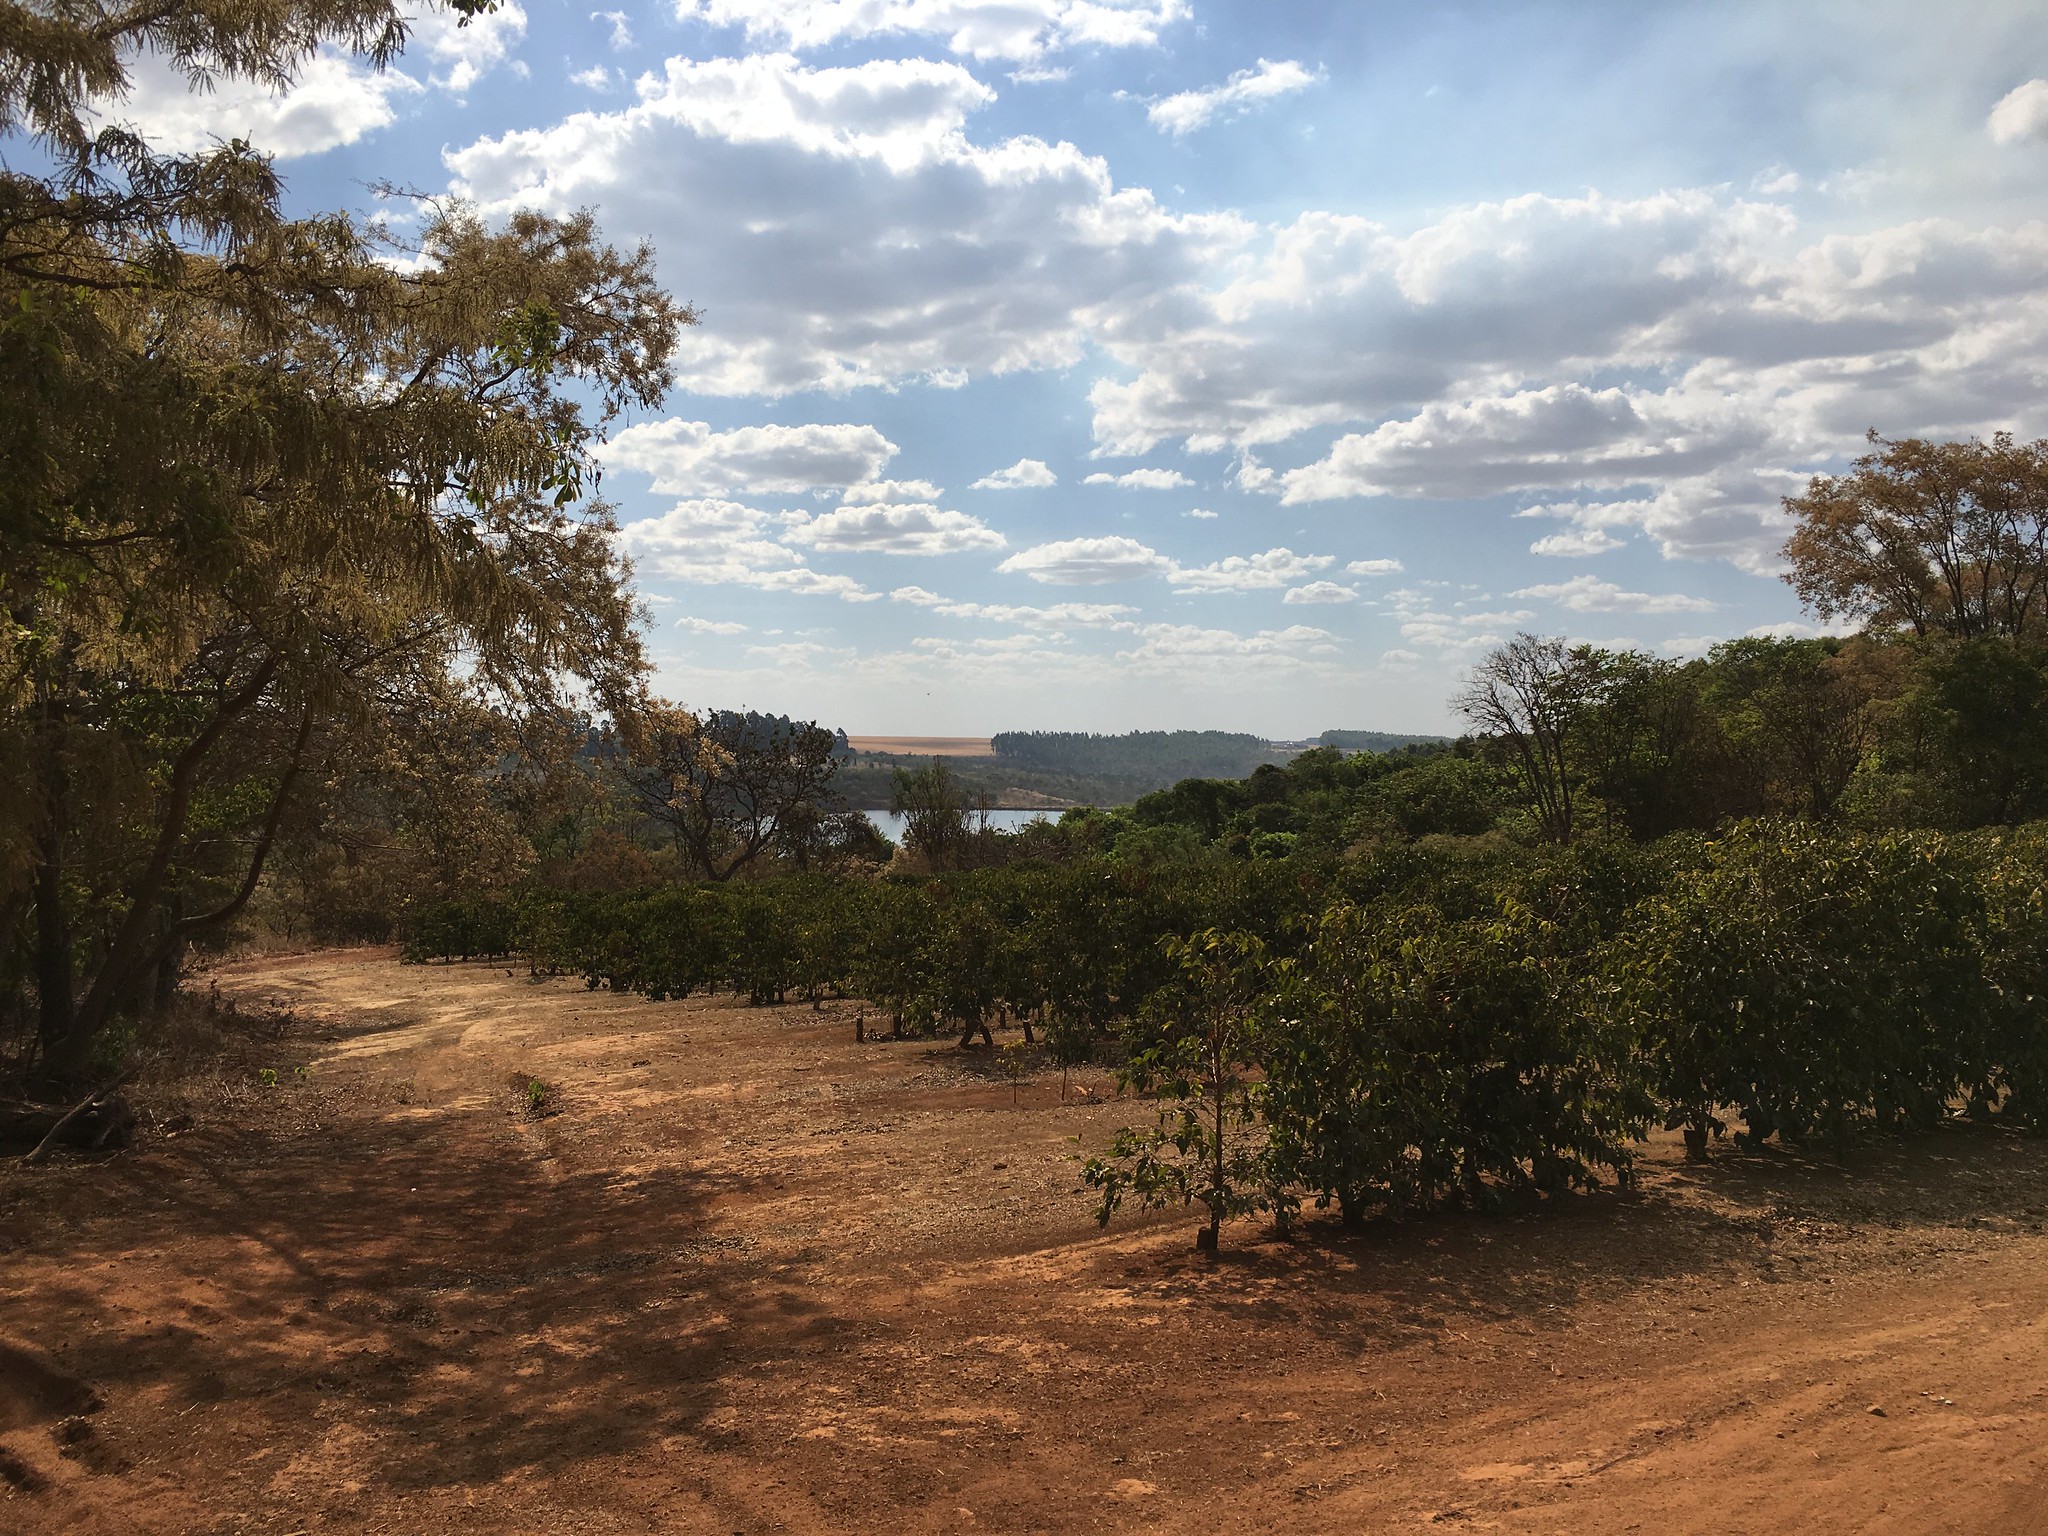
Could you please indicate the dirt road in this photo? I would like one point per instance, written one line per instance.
(741, 1274)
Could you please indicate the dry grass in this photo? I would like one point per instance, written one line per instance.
(924, 746)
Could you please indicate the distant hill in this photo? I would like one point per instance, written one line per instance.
(1378, 741)
(1163, 757)
(1037, 768)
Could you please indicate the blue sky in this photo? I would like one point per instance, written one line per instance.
(1114, 364)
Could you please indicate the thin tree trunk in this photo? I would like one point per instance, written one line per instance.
(56, 1006)
(112, 983)
(126, 949)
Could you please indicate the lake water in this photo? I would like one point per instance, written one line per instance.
(1003, 821)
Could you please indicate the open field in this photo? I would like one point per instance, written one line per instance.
(924, 746)
(742, 1274)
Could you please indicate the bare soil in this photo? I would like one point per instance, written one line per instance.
(736, 1273)
(925, 746)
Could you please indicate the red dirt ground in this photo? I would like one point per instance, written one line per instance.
(745, 1275)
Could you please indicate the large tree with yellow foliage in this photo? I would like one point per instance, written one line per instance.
(272, 488)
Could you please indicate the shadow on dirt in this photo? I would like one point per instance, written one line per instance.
(1740, 1213)
(475, 1308)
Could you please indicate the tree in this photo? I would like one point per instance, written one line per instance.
(1200, 1059)
(1937, 538)
(267, 492)
(1533, 694)
(1969, 736)
(1641, 747)
(934, 810)
(730, 785)
(1813, 981)
(1794, 723)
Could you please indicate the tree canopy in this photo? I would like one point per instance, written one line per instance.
(1936, 538)
(272, 487)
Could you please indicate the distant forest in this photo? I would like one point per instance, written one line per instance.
(1033, 768)
(1167, 756)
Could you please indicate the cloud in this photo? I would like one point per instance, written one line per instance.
(1187, 111)
(801, 652)
(1691, 347)
(468, 48)
(1450, 637)
(621, 25)
(1694, 350)
(982, 29)
(913, 529)
(595, 78)
(1576, 542)
(713, 542)
(333, 102)
(1588, 594)
(687, 458)
(1561, 435)
(1387, 567)
(871, 491)
(2021, 114)
(1088, 562)
(862, 238)
(1053, 615)
(1025, 474)
(1143, 480)
(1248, 573)
(1190, 651)
(711, 626)
(1092, 561)
(1321, 592)
(1202, 512)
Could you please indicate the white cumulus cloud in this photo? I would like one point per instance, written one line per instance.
(1088, 562)
(712, 541)
(687, 458)
(1382, 567)
(1588, 594)
(1191, 651)
(862, 238)
(911, 529)
(1186, 111)
(334, 102)
(1050, 616)
(2021, 114)
(1575, 542)
(872, 491)
(467, 48)
(981, 29)
(1695, 351)
(1321, 592)
(1275, 568)
(1025, 474)
(1142, 480)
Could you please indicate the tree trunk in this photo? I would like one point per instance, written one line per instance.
(57, 1007)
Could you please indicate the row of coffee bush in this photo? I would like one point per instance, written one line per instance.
(1420, 1024)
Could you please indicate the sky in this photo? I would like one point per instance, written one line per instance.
(1151, 364)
